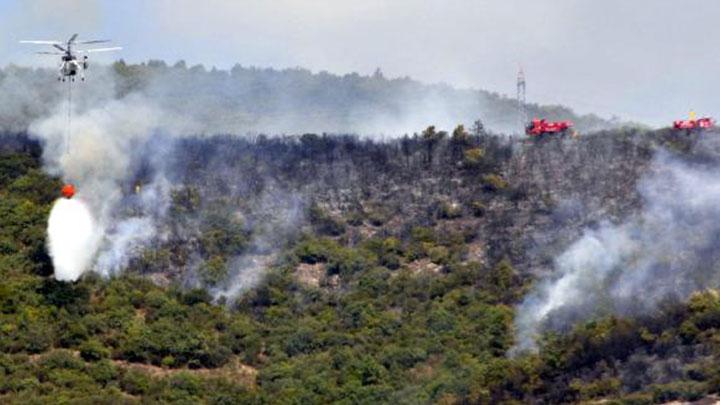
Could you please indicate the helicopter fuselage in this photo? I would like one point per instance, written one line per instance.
(71, 67)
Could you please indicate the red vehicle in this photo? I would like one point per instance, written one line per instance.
(692, 124)
(539, 127)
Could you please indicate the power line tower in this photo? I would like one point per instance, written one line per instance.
(522, 114)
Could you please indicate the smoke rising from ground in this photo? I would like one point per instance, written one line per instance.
(250, 100)
(282, 215)
(118, 116)
(98, 152)
(94, 150)
(119, 112)
(667, 251)
(72, 238)
(108, 143)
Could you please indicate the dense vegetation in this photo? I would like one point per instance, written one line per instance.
(255, 100)
(294, 100)
(399, 285)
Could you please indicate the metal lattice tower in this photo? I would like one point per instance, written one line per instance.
(522, 114)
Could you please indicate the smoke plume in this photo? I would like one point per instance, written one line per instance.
(666, 251)
(246, 100)
(97, 159)
(103, 147)
(72, 238)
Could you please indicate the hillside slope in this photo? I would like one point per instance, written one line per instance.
(253, 100)
(326, 268)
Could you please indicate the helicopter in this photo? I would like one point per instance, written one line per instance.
(70, 66)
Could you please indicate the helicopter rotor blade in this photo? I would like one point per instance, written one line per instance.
(41, 42)
(49, 53)
(72, 39)
(59, 47)
(115, 48)
(94, 41)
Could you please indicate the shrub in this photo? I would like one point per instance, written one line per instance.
(680, 390)
(300, 342)
(168, 361)
(350, 261)
(494, 182)
(478, 209)
(103, 372)
(185, 201)
(422, 234)
(61, 359)
(402, 357)
(502, 277)
(93, 350)
(223, 238)
(324, 223)
(602, 388)
(187, 383)
(439, 254)
(215, 355)
(313, 251)
(196, 296)
(390, 260)
(214, 271)
(473, 157)
(392, 245)
(449, 211)
(355, 218)
(37, 337)
(135, 382)
(378, 216)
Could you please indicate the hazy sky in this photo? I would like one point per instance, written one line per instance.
(648, 60)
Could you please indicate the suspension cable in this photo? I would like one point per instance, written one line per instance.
(69, 118)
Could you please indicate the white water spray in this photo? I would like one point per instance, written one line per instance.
(71, 238)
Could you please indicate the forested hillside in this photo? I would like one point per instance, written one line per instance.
(321, 268)
(254, 100)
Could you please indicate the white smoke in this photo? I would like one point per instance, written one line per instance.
(126, 237)
(247, 272)
(107, 138)
(72, 238)
(667, 251)
(282, 217)
(96, 156)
